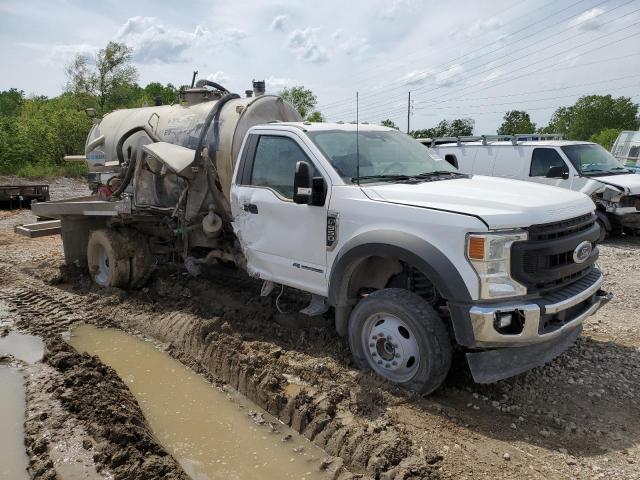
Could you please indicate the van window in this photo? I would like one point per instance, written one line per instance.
(451, 159)
(634, 153)
(543, 159)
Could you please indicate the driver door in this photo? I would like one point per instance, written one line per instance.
(283, 242)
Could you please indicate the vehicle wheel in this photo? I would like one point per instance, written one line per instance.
(109, 265)
(141, 260)
(401, 337)
(603, 231)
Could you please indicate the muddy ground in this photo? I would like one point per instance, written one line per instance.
(578, 417)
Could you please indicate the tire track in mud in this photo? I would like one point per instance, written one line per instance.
(371, 447)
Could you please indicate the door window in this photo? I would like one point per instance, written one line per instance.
(274, 164)
(543, 159)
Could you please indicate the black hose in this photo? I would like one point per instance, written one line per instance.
(131, 167)
(214, 116)
(209, 83)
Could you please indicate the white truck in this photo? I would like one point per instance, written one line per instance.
(547, 159)
(413, 257)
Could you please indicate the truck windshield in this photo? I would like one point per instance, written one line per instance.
(591, 159)
(384, 156)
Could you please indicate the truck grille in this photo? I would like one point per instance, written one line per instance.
(545, 261)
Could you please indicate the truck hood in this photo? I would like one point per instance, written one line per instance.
(629, 182)
(500, 203)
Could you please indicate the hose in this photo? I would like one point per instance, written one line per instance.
(209, 83)
(131, 167)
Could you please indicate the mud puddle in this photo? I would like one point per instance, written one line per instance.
(212, 434)
(13, 458)
(22, 346)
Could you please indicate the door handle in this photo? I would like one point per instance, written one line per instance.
(251, 208)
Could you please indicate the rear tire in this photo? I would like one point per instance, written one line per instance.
(109, 266)
(401, 337)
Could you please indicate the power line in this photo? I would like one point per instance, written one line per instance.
(519, 52)
(347, 100)
(397, 110)
(391, 101)
(526, 101)
(451, 61)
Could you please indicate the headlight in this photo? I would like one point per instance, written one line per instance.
(490, 256)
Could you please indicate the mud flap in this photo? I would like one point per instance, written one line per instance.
(493, 365)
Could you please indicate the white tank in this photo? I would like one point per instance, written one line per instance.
(182, 125)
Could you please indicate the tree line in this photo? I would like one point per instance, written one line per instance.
(595, 118)
(36, 132)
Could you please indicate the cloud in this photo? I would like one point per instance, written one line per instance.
(393, 8)
(350, 44)
(64, 54)
(232, 36)
(416, 77)
(305, 44)
(589, 20)
(450, 76)
(497, 73)
(275, 84)
(154, 42)
(480, 27)
(218, 77)
(278, 24)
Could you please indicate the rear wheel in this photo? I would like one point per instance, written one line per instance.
(401, 337)
(109, 266)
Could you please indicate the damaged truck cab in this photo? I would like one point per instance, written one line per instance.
(414, 257)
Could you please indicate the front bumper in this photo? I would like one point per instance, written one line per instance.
(543, 319)
(550, 326)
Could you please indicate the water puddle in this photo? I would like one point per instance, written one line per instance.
(13, 459)
(205, 429)
(22, 346)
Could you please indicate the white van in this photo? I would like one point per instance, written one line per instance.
(626, 149)
(581, 166)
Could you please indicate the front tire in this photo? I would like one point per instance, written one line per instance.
(401, 337)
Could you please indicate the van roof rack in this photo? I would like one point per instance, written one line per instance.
(514, 139)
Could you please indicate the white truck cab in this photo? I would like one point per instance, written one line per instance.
(573, 165)
(413, 255)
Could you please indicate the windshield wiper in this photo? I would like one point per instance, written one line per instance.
(439, 172)
(382, 177)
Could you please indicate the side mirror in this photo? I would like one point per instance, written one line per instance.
(308, 190)
(558, 172)
(302, 184)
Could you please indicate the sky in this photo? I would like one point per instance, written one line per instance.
(458, 59)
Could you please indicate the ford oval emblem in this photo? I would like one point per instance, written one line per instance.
(582, 252)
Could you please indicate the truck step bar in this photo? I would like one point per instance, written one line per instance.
(39, 229)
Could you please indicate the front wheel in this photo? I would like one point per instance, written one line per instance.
(401, 337)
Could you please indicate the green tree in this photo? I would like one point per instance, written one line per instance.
(155, 91)
(389, 123)
(110, 80)
(606, 137)
(10, 102)
(302, 99)
(459, 127)
(316, 116)
(516, 121)
(592, 114)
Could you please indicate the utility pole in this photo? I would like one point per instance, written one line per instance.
(409, 113)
